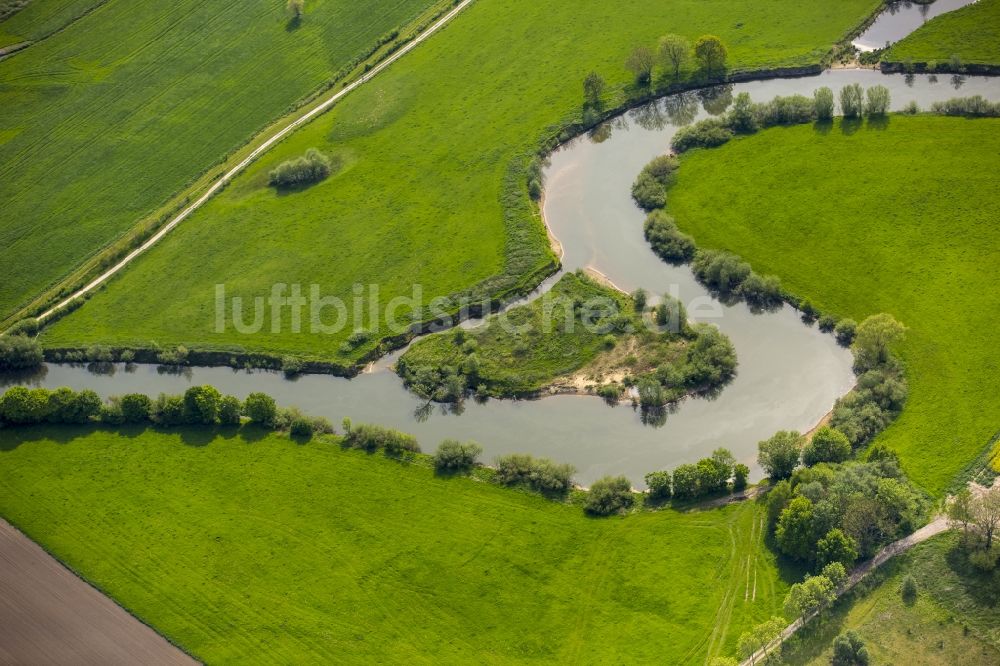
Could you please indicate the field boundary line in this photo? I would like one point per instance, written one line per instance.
(273, 140)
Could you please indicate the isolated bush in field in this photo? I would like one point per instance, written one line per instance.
(18, 352)
(707, 133)
(877, 103)
(229, 410)
(711, 54)
(836, 546)
(823, 104)
(201, 404)
(640, 63)
(649, 189)
(779, 455)
(659, 485)
(674, 52)
(826, 445)
(849, 650)
(295, 8)
(844, 331)
(609, 495)
(453, 455)
(136, 407)
(261, 409)
(313, 167)
(667, 241)
(909, 589)
(742, 117)
(593, 88)
(852, 100)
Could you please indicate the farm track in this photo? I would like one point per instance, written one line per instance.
(275, 138)
(49, 615)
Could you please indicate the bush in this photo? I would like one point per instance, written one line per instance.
(229, 410)
(453, 455)
(136, 407)
(849, 650)
(659, 485)
(967, 106)
(541, 474)
(741, 473)
(261, 409)
(823, 104)
(169, 410)
(301, 427)
(836, 546)
(650, 188)
(909, 589)
(514, 468)
(609, 495)
(611, 393)
(827, 323)
(685, 482)
(720, 271)
(878, 101)
(742, 119)
(201, 404)
(826, 445)
(779, 455)
(311, 168)
(667, 241)
(790, 110)
(372, 437)
(851, 100)
(763, 291)
(18, 352)
(23, 406)
(651, 393)
(177, 356)
(845, 331)
(707, 133)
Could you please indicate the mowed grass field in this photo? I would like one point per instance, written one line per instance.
(37, 19)
(105, 120)
(954, 619)
(431, 187)
(972, 33)
(899, 220)
(251, 548)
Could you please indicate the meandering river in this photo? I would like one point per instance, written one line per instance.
(789, 374)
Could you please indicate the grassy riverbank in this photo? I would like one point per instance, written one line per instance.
(244, 546)
(432, 158)
(866, 219)
(953, 620)
(102, 124)
(972, 33)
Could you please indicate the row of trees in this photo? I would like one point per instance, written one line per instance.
(673, 54)
(978, 516)
(690, 481)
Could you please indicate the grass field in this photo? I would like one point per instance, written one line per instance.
(898, 220)
(37, 19)
(431, 189)
(102, 124)
(954, 619)
(972, 33)
(246, 547)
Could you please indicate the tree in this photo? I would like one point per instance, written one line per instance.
(795, 533)
(875, 337)
(758, 638)
(136, 407)
(742, 118)
(779, 455)
(740, 475)
(201, 404)
(609, 495)
(229, 410)
(823, 101)
(878, 101)
(593, 88)
(851, 100)
(836, 573)
(960, 509)
(84, 407)
(640, 63)
(453, 455)
(810, 596)
(261, 409)
(714, 472)
(18, 352)
(296, 8)
(827, 445)
(836, 547)
(986, 514)
(711, 53)
(659, 485)
(674, 53)
(686, 481)
(849, 650)
(21, 405)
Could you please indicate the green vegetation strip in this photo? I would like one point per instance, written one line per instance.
(856, 244)
(434, 159)
(248, 547)
(101, 125)
(967, 36)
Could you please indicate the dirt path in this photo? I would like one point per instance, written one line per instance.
(50, 616)
(933, 528)
(260, 150)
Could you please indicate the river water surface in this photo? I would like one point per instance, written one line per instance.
(789, 374)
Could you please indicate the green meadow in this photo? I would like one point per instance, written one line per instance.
(242, 546)
(431, 161)
(972, 33)
(37, 19)
(899, 218)
(107, 119)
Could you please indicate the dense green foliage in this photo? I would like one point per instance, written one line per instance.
(461, 119)
(18, 352)
(854, 255)
(455, 456)
(650, 188)
(666, 240)
(249, 547)
(971, 33)
(311, 168)
(101, 125)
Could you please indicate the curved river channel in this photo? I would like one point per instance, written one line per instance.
(789, 374)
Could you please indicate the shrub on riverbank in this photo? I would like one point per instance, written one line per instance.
(976, 107)
(609, 495)
(371, 438)
(540, 474)
(667, 241)
(650, 188)
(454, 456)
(19, 352)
